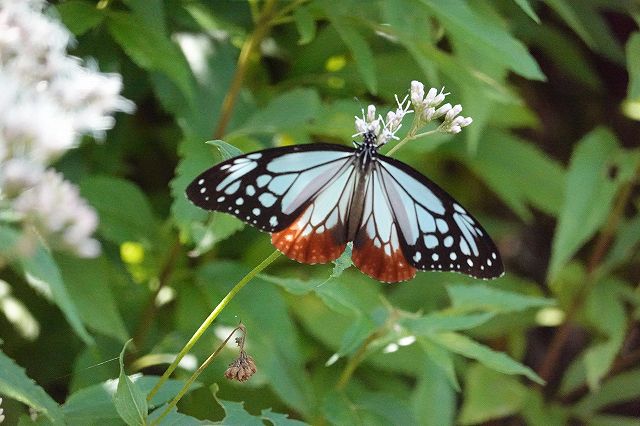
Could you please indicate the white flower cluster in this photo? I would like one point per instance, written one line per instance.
(48, 100)
(426, 107)
(1, 412)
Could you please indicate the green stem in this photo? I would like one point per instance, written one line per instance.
(357, 358)
(212, 316)
(193, 378)
(410, 136)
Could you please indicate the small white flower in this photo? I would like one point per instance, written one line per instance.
(54, 207)
(417, 93)
(1, 412)
(444, 109)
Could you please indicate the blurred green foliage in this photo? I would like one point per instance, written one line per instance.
(551, 165)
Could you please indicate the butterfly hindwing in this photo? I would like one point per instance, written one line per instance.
(437, 232)
(270, 188)
(377, 249)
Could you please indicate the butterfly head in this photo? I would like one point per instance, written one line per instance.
(370, 138)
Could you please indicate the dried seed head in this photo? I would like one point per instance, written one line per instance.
(241, 369)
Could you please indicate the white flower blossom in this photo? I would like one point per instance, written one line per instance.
(1, 412)
(384, 131)
(48, 101)
(54, 207)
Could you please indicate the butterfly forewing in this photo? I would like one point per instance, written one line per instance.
(437, 232)
(271, 188)
(319, 235)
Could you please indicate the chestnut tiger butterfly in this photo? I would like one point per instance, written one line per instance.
(316, 198)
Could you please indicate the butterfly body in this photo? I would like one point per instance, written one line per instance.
(316, 198)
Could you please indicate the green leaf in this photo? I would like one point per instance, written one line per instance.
(438, 322)
(15, 384)
(278, 419)
(606, 312)
(589, 194)
(538, 179)
(526, 8)
(442, 359)
(434, 398)
(94, 404)
(218, 227)
(305, 24)
(275, 343)
(342, 263)
(129, 400)
(587, 21)
(366, 408)
(620, 388)
(174, 418)
(115, 199)
(153, 52)
(42, 273)
(466, 298)
(498, 361)
(235, 413)
(79, 16)
(287, 111)
(469, 27)
(227, 150)
(536, 412)
(505, 398)
(97, 307)
(359, 48)
(624, 246)
(631, 105)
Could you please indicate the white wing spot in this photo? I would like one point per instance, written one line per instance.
(442, 226)
(237, 211)
(273, 221)
(263, 180)
(201, 181)
(220, 199)
(453, 256)
(256, 211)
(482, 267)
(493, 255)
(250, 190)
(206, 198)
(448, 241)
(458, 208)
(267, 199)
(469, 262)
(255, 156)
(417, 256)
(489, 262)
(232, 188)
(225, 167)
(430, 241)
(464, 247)
(202, 190)
(240, 201)
(435, 257)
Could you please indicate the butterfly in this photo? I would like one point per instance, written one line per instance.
(315, 198)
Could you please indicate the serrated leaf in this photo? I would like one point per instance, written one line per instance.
(227, 150)
(359, 48)
(465, 25)
(342, 263)
(498, 361)
(79, 16)
(42, 273)
(506, 397)
(15, 384)
(466, 298)
(278, 419)
(129, 400)
(305, 24)
(153, 52)
(235, 413)
(589, 194)
(94, 404)
(115, 199)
